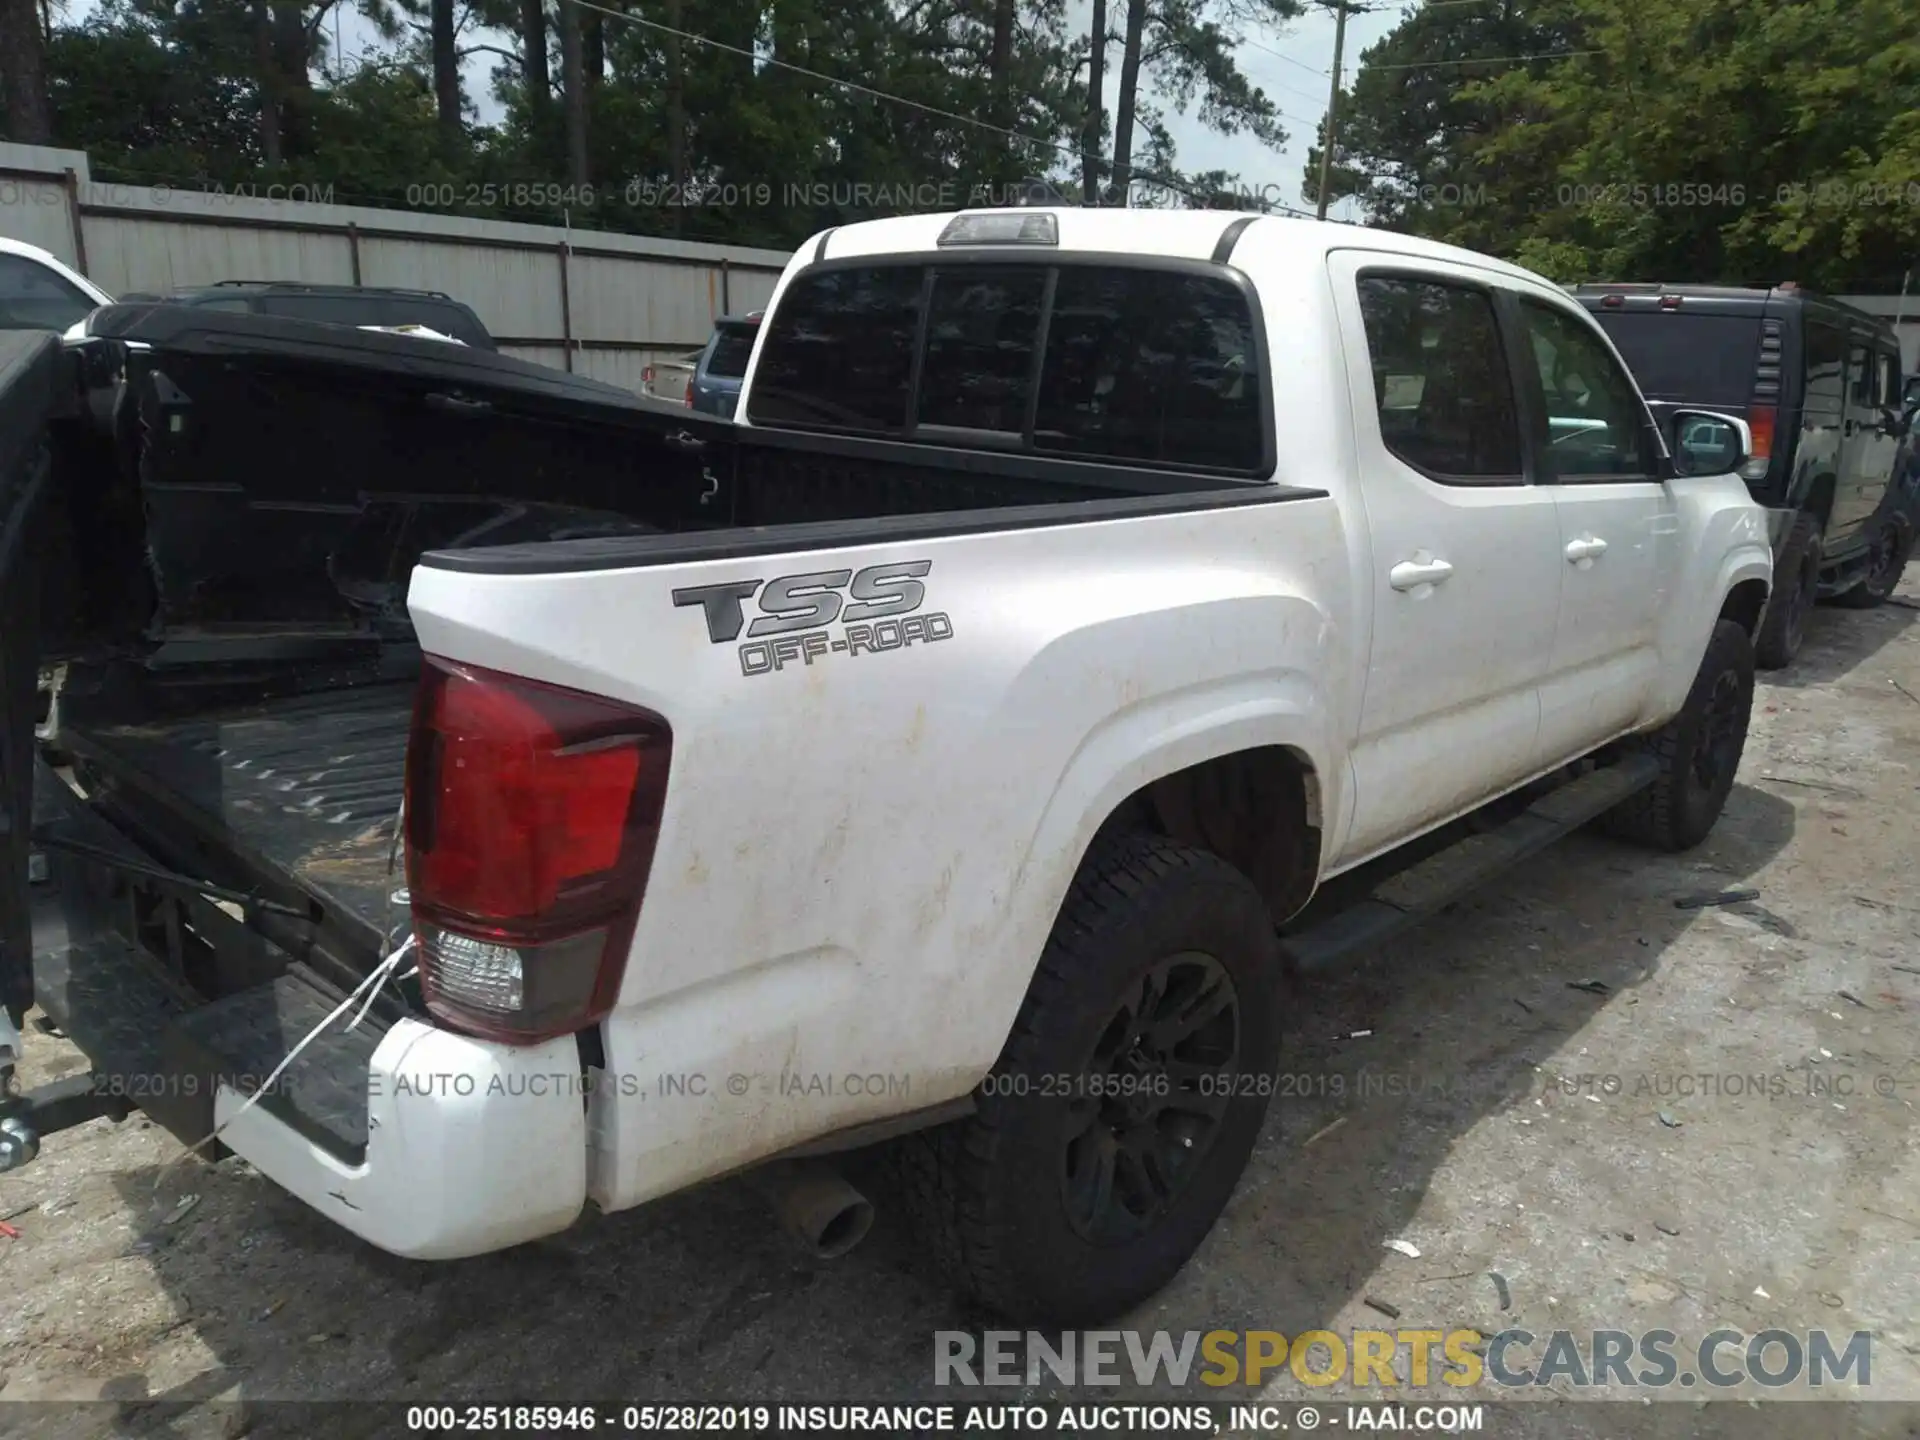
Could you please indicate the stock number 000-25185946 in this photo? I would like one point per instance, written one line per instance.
(470, 1419)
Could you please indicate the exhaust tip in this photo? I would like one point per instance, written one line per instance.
(844, 1230)
(815, 1204)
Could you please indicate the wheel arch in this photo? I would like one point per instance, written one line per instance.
(1173, 767)
(1745, 604)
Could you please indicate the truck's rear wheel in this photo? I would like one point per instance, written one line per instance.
(1699, 752)
(1111, 1133)
(1796, 583)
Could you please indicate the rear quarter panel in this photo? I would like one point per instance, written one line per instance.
(861, 856)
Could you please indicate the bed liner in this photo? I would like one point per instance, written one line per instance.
(306, 787)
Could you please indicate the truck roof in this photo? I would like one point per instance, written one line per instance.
(1182, 234)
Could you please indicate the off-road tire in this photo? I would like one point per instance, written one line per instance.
(1677, 811)
(1796, 580)
(988, 1194)
(1887, 562)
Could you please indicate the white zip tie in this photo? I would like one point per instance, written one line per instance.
(370, 984)
(374, 994)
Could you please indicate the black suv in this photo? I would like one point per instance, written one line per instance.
(338, 305)
(1819, 384)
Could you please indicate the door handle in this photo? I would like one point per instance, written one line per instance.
(1588, 548)
(1412, 574)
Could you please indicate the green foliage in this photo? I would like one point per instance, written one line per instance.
(174, 90)
(1746, 141)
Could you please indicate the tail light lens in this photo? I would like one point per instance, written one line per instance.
(1760, 420)
(532, 814)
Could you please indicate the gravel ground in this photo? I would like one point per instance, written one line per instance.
(1476, 1121)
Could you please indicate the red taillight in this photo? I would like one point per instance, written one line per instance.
(1760, 422)
(532, 813)
(1611, 302)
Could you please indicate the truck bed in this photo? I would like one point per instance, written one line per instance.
(307, 788)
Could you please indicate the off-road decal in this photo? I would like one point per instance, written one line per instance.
(806, 617)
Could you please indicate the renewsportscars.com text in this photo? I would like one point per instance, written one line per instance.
(1413, 1358)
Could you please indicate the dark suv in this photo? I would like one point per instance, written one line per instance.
(339, 305)
(1819, 384)
(715, 387)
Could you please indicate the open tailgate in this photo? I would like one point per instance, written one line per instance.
(31, 394)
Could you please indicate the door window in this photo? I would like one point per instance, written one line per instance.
(1597, 427)
(1440, 380)
(1861, 376)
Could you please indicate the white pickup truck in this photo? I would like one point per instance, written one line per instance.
(942, 758)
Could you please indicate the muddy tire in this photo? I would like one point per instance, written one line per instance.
(1796, 581)
(1127, 1101)
(1699, 752)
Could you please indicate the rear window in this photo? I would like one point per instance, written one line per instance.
(732, 347)
(1692, 358)
(1137, 364)
(378, 310)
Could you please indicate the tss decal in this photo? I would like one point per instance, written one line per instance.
(877, 609)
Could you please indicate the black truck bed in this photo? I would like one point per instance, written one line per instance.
(306, 787)
(294, 799)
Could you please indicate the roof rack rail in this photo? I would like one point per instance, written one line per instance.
(332, 285)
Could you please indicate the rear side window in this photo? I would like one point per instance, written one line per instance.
(1887, 393)
(1440, 380)
(732, 347)
(1132, 364)
(32, 297)
(1826, 353)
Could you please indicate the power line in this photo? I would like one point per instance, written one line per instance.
(867, 90)
(1310, 69)
(1489, 60)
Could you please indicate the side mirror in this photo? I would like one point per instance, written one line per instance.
(1704, 442)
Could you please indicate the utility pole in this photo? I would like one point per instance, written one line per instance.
(1333, 104)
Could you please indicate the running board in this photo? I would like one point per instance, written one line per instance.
(1408, 897)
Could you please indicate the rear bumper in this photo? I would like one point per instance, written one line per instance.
(472, 1146)
(427, 1144)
